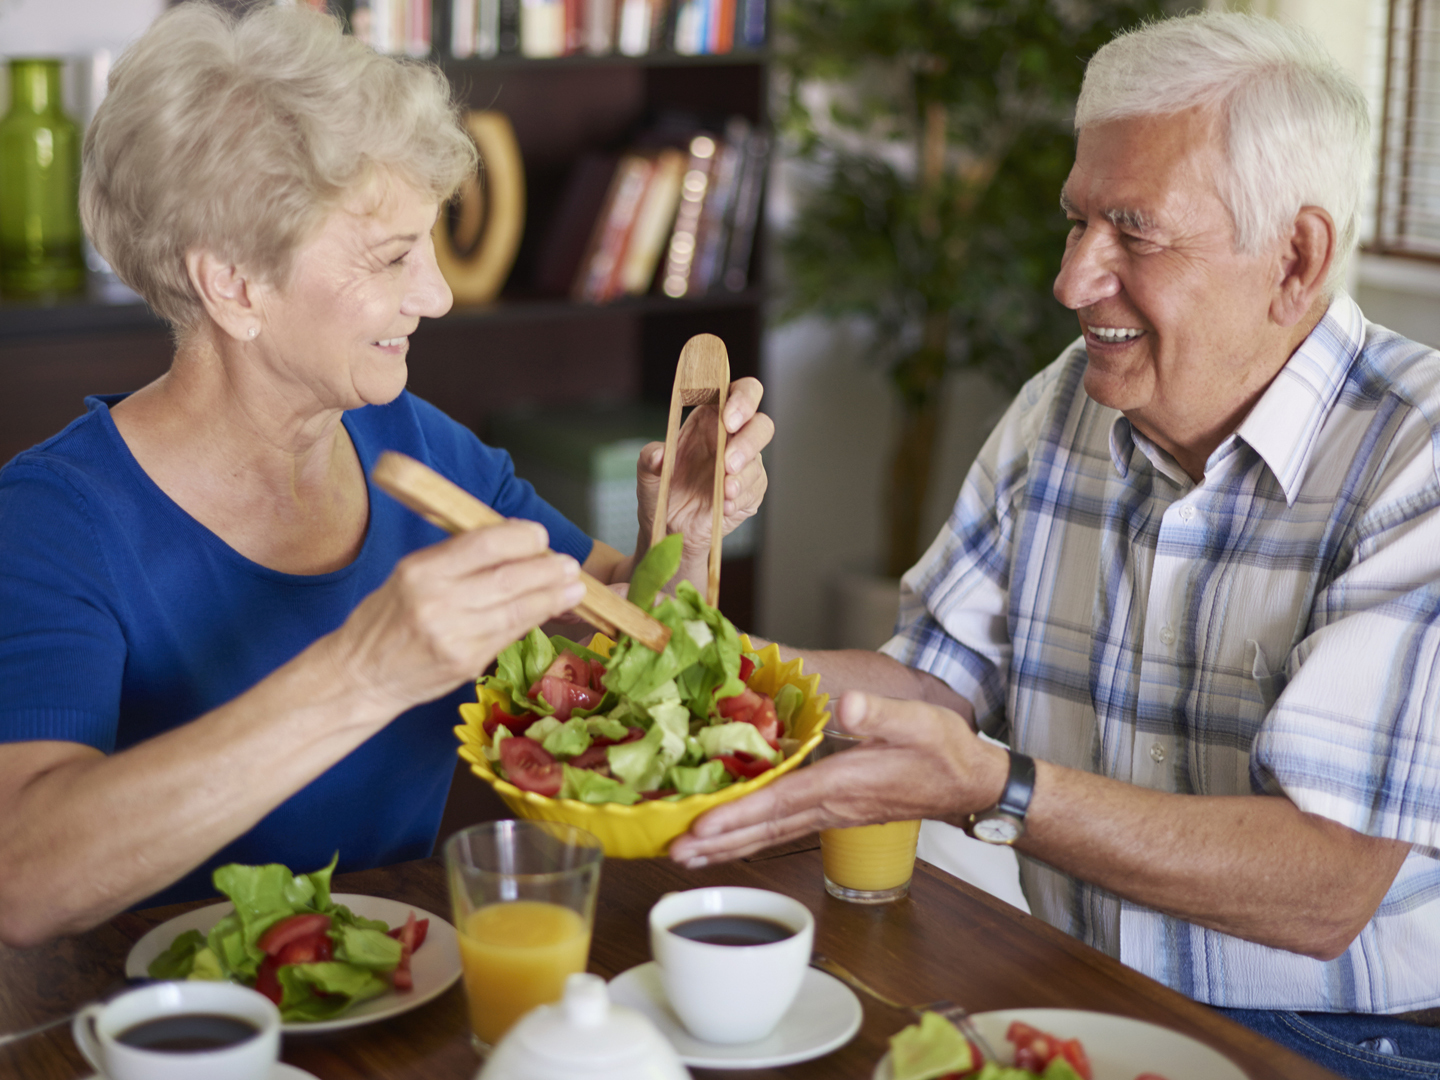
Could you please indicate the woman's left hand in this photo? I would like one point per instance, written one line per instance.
(689, 511)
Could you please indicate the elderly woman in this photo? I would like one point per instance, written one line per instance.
(216, 643)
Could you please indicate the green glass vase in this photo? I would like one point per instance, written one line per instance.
(39, 186)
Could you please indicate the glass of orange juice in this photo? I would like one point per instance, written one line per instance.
(523, 894)
(867, 864)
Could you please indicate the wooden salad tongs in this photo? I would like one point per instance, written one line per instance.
(455, 510)
(701, 376)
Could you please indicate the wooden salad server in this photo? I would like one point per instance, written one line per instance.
(701, 376)
(455, 510)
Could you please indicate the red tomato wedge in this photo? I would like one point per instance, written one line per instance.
(1075, 1055)
(753, 707)
(742, 766)
(292, 929)
(517, 724)
(266, 981)
(412, 935)
(314, 949)
(631, 734)
(530, 767)
(565, 696)
(747, 668)
(572, 668)
(1035, 1049)
(592, 757)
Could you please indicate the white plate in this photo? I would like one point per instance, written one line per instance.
(1119, 1047)
(435, 967)
(825, 1017)
(281, 1072)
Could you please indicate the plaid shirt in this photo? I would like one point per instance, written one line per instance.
(1272, 629)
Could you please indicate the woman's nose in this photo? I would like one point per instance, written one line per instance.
(429, 294)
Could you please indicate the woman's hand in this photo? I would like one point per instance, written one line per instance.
(689, 512)
(446, 611)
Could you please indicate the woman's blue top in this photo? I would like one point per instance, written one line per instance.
(122, 617)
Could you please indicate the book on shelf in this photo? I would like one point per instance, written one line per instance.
(678, 220)
(548, 28)
(393, 26)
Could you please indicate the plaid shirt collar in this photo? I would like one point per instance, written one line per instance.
(1284, 423)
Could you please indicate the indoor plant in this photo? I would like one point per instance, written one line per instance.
(933, 138)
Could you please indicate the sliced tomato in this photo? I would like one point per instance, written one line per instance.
(529, 766)
(747, 668)
(660, 794)
(1074, 1055)
(266, 981)
(742, 766)
(753, 707)
(569, 667)
(565, 696)
(592, 757)
(1027, 1058)
(291, 929)
(413, 933)
(517, 724)
(314, 949)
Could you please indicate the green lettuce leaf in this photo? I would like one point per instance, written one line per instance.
(638, 763)
(589, 786)
(697, 780)
(568, 739)
(343, 984)
(929, 1049)
(737, 735)
(207, 967)
(373, 950)
(606, 727)
(654, 571)
(177, 961)
(787, 706)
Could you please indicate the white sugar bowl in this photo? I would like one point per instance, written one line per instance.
(583, 1037)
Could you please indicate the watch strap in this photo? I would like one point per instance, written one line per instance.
(1019, 786)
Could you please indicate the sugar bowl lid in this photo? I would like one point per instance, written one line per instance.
(584, 1037)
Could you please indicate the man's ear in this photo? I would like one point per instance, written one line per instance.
(1305, 261)
(229, 296)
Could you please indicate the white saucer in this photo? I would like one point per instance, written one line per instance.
(281, 1072)
(825, 1017)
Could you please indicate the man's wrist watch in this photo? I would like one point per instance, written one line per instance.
(1004, 823)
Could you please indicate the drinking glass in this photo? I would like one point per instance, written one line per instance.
(523, 894)
(867, 864)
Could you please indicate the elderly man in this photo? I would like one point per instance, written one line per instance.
(1193, 579)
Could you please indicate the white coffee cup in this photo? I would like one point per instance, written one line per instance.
(730, 993)
(97, 1029)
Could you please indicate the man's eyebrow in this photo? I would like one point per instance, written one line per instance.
(1066, 205)
(1132, 220)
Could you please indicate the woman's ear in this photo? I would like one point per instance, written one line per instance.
(1305, 261)
(229, 296)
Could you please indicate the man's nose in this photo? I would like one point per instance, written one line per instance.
(1087, 274)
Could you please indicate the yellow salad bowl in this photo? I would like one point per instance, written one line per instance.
(645, 829)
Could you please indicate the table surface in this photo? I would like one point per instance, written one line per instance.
(946, 940)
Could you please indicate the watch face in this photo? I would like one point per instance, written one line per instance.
(997, 830)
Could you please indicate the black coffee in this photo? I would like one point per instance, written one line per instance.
(733, 930)
(187, 1033)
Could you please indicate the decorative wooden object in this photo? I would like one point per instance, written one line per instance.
(476, 259)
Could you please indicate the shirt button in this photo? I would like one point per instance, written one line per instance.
(1167, 636)
(1157, 753)
(1187, 513)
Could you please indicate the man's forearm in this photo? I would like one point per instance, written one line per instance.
(875, 673)
(1254, 867)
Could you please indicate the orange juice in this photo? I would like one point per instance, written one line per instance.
(516, 956)
(870, 858)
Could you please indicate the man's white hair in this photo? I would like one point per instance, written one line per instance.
(1296, 127)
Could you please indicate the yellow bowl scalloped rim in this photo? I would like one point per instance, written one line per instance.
(644, 830)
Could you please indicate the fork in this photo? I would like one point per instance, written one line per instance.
(956, 1014)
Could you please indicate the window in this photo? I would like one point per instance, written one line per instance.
(1407, 208)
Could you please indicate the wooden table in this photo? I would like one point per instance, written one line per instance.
(946, 940)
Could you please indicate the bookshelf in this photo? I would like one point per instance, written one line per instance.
(526, 349)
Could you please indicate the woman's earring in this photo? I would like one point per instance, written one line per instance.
(253, 331)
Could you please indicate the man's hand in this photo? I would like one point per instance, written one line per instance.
(747, 433)
(919, 761)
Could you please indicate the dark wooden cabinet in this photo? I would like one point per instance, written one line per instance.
(526, 349)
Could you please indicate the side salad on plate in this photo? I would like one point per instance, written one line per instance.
(934, 1049)
(288, 939)
(569, 723)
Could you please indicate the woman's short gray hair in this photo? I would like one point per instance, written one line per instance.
(239, 135)
(1297, 128)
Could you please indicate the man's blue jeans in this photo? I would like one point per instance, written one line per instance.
(1351, 1044)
